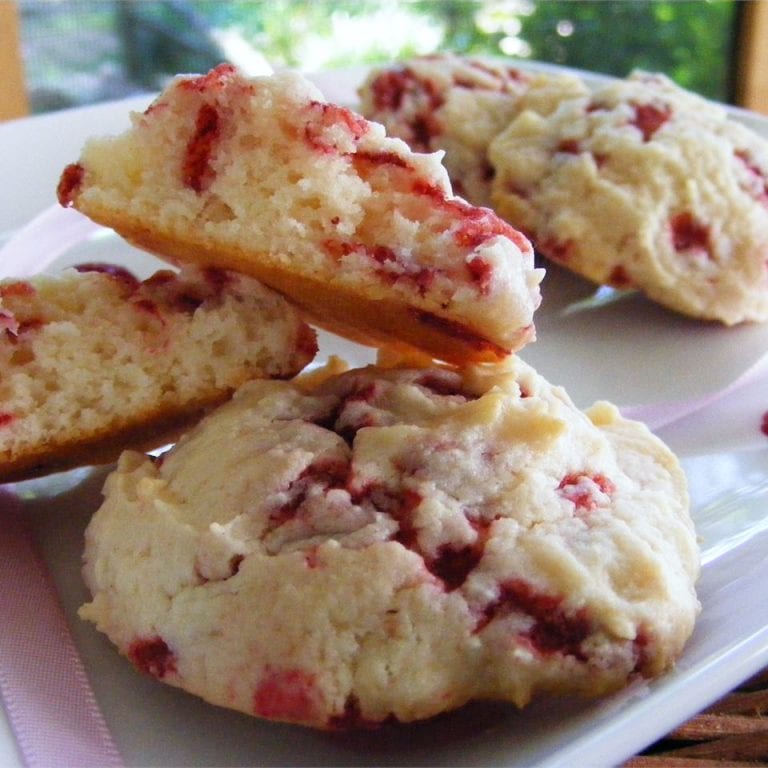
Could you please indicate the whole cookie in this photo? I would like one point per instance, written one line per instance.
(644, 185)
(390, 544)
(459, 104)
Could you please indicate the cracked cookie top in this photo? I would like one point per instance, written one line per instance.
(644, 185)
(389, 544)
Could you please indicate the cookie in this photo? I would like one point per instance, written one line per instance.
(388, 544)
(94, 360)
(459, 104)
(264, 177)
(643, 185)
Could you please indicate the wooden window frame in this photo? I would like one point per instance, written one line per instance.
(752, 56)
(13, 92)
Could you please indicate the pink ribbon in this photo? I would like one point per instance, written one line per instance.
(46, 237)
(48, 700)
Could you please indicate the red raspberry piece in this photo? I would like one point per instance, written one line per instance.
(553, 630)
(649, 118)
(481, 224)
(306, 344)
(19, 288)
(115, 271)
(498, 84)
(380, 159)
(399, 504)
(445, 383)
(487, 172)
(759, 186)
(389, 87)
(389, 91)
(421, 187)
(392, 268)
(482, 274)
(569, 146)
(477, 224)
(513, 74)
(188, 302)
(69, 184)
(30, 325)
(216, 278)
(323, 116)
(352, 415)
(150, 308)
(234, 564)
(165, 288)
(688, 234)
(423, 129)
(152, 656)
(286, 694)
(466, 83)
(15, 329)
(381, 253)
(557, 250)
(336, 248)
(362, 392)
(407, 534)
(312, 559)
(619, 278)
(643, 658)
(764, 424)
(215, 80)
(580, 489)
(6, 418)
(421, 277)
(452, 566)
(160, 279)
(9, 324)
(323, 474)
(196, 172)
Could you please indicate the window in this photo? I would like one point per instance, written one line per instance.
(84, 51)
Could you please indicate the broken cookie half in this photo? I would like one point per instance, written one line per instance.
(262, 176)
(94, 360)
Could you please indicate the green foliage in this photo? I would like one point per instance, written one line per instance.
(689, 40)
(144, 41)
(458, 19)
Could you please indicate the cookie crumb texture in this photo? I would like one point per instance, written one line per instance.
(393, 543)
(95, 359)
(264, 177)
(642, 184)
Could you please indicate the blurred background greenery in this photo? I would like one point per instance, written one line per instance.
(83, 51)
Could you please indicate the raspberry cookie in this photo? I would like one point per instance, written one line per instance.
(264, 177)
(459, 104)
(94, 361)
(644, 185)
(389, 544)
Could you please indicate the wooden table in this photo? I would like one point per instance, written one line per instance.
(732, 732)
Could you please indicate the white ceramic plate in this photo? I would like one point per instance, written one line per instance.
(634, 353)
